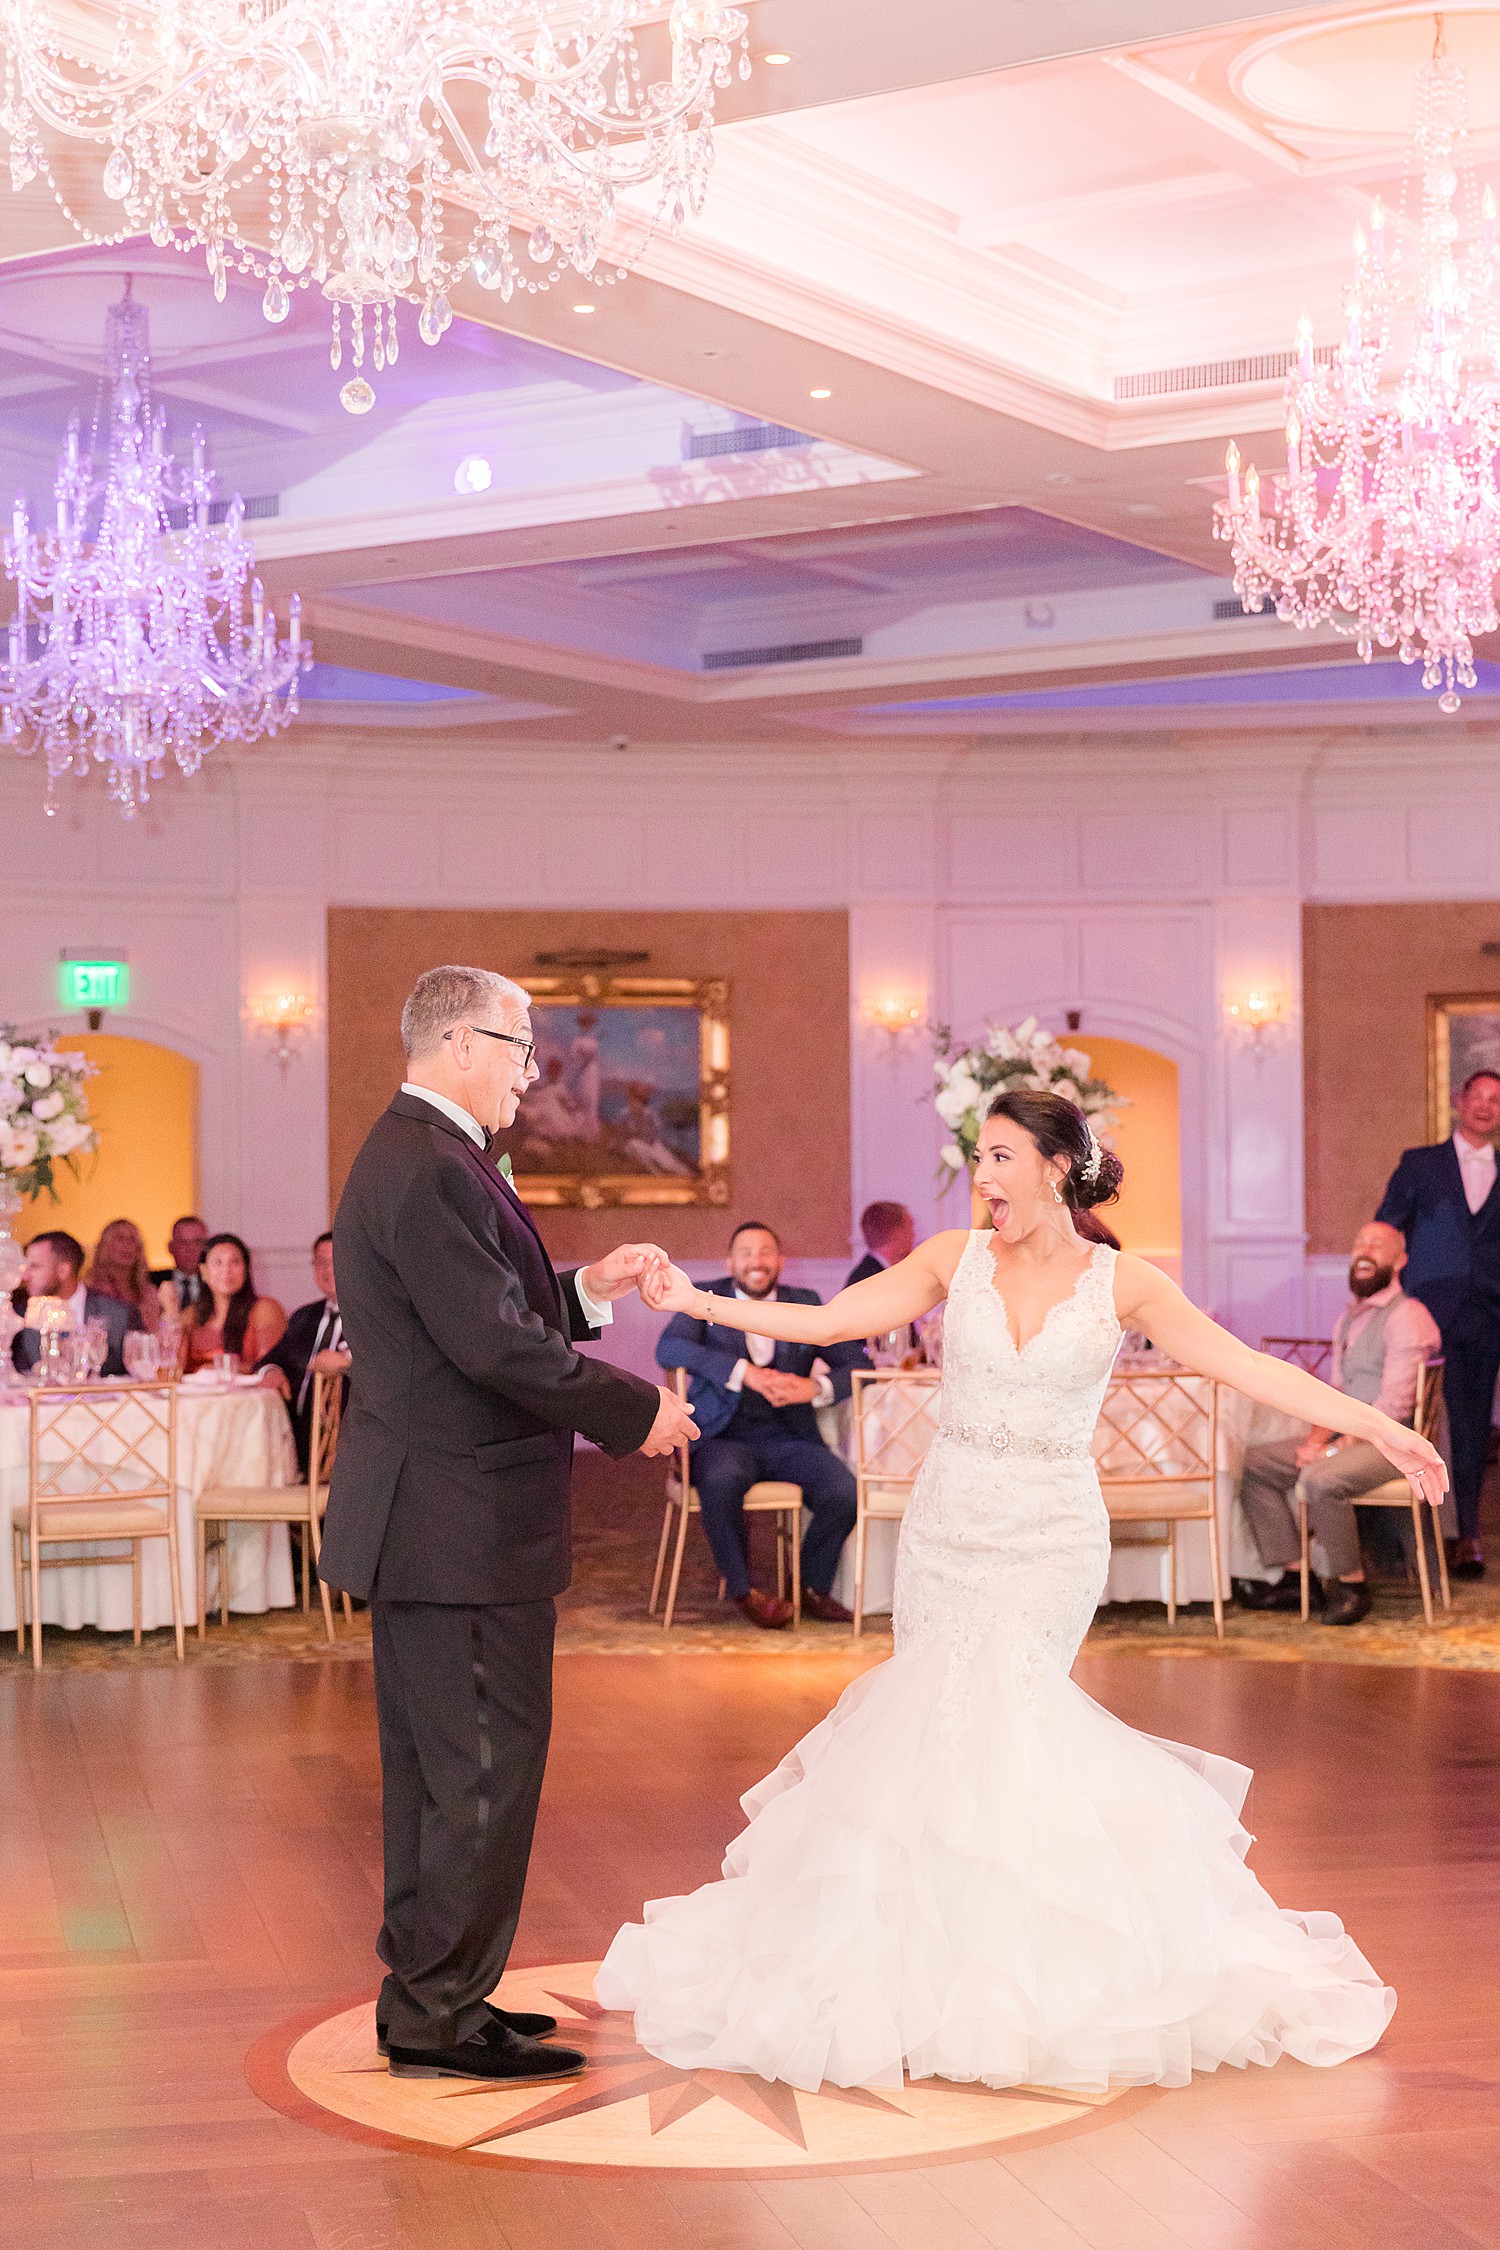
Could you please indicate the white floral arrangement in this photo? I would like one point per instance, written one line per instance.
(44, 1111)
(1003, 1062)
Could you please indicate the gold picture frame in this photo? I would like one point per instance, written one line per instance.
(1463, 1035)
(590, 1137)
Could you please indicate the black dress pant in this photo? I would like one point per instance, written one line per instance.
(464, 1702)
(1471, 1351)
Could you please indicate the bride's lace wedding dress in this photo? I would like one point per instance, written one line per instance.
(969, 1869)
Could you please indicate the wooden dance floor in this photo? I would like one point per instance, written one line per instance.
(189, 1871)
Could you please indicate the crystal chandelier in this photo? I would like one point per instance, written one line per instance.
(131, 640)
(376, 149)
(1386, 522)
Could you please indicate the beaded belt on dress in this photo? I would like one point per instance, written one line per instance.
(994, 1437)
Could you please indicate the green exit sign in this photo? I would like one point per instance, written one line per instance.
(95, 984)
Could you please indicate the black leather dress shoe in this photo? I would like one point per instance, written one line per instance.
(1260, 1594)
(496, 2053)
(1465, 1558)
(530, 2027)
(1347, 1604)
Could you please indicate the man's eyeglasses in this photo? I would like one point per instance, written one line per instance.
(527, 1046)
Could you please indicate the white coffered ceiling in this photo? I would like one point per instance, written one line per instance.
(992, 236)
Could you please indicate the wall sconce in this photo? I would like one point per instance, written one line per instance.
(894, 1013)
(285, 1018)
(1257, 1016)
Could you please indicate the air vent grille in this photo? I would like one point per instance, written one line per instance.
(258, 507)
(1232, 606)
(753, 437)
(788, 652)
(1215, 374)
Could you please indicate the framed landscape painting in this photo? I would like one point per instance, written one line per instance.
(632, 1104)
(1463, 1035)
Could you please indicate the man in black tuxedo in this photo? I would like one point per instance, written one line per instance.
(1443, 1199)
(755, 1402)
(54, 1268)
(186, 1243)
(312, 1345)
(449, 1510)
(890, 1234)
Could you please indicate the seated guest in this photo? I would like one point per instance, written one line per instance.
(753, 1401)
(313, 1345)
(890, 1235)
(234, 1319)
(118, 1269)
(54, 1268)
(1379, 1342)
(187, 1242)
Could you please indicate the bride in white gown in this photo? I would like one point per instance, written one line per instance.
(969, 1870)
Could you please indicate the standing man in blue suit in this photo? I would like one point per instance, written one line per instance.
(1444, 1201)
(755, 1403)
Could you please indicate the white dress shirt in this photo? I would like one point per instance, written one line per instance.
(597, 1316)
(1478, 1168)
(761, 1350)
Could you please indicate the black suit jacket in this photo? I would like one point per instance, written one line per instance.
(454, 1459)
(120, 1319)
(1453, 1254)
(292, 1355)
(869, 1265)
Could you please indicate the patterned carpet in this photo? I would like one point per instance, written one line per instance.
(618, 1521)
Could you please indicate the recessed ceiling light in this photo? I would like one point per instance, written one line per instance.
(472, 474)
(585, 308)
(775, 61)
(820, 394)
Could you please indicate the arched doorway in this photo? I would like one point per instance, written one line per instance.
(1148, 1216)
(145, 1103)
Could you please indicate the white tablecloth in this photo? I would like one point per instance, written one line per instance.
(237, 1435)
(1137, 1573)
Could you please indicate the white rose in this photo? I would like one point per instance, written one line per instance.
(38, 1074)
(69, 1135)
(953, 1156)
(49, 1105)
(1078, 1062)
(1066, 1088)
(953, 1105)
(19, 1149)
(21, 1056)
(1001, 1045)
(1024, 1032)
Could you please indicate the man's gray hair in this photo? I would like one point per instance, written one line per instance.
(441, 998)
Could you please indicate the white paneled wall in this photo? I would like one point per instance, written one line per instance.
(1145, 881)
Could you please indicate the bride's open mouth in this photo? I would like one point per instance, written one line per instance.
(998, 1207)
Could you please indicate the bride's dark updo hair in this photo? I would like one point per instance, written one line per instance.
(1059, 1128)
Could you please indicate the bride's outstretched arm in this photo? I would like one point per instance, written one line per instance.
(888, 1300)
(1147, 1300)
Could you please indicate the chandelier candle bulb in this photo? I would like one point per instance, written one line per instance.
(1305, 347)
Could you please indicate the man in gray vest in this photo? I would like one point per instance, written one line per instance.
(1380, 1340)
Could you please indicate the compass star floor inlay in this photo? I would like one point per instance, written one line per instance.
(629, 2110)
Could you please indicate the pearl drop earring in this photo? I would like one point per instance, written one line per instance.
(1057, 1193)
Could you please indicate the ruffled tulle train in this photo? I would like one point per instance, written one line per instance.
(970, 1870)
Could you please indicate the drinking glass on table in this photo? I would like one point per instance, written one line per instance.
(95, 1345)
(139, 1354)
(890, 1347)
(226, 1366)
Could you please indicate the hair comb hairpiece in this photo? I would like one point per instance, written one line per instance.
(1094, 1160)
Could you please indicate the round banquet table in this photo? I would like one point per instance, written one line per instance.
(236, 1433)
(1136, 1573)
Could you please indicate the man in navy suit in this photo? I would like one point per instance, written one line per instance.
(890, 1235)
(755, 1402)
(1444, 1201)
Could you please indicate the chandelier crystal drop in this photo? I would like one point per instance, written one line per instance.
(378, 150)
(134, 641)
(1386, 521)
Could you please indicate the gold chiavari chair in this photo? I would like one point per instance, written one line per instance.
(1314, 1353)
(1398, 1493)
(771, 1497)
(101, 1469)
(1156, 1451)
(895, 1421)
(302, 1503)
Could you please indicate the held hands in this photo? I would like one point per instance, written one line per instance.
(666, 1288)
(778, 1389)
(623, 1270)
